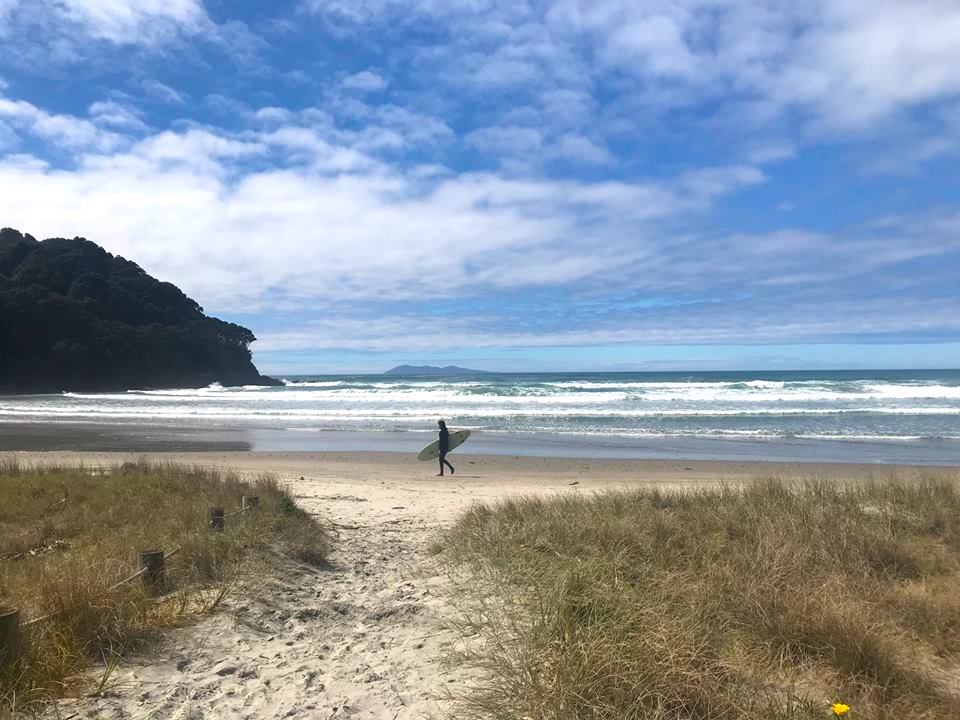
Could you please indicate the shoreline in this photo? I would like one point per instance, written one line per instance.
(142, 438)
(495, 469)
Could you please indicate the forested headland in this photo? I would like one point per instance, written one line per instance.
(75, 317)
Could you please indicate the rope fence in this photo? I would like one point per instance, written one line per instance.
(152, 570)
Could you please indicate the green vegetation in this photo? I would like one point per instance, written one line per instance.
(67, 535)
(770, 601)
(74, 317)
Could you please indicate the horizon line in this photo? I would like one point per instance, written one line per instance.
(623, 372)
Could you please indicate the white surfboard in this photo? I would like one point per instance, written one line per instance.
(432, 451)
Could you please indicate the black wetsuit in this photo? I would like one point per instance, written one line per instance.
(444, 449)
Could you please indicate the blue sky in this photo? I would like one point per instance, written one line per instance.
(612, 184)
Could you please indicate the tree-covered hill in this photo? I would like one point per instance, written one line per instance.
(75, 317)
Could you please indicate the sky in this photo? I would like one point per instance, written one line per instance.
(509, 184)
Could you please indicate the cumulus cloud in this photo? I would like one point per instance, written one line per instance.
(366, 80)
(60, 130)
(118, 22)
(578, 147)
(523, 148)
(847, 64)
(223, 213)
(133, 21)
(512, 140)
(292, 215)
(118, 115)
(565, 150)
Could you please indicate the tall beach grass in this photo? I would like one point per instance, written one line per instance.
(68, 534)
(774, 600)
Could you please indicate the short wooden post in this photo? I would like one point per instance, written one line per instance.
(156, 574)
(216, 519)
(250, 502)
(9, 635)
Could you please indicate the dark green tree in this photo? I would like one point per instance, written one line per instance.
(75, 317)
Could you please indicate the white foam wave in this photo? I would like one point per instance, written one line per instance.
(418, 414)
(736, 434)
(752, 392)
(915, 392)
(312, 383)
(621, 406)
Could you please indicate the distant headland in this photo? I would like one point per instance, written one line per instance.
(448, 371)
(75, 317)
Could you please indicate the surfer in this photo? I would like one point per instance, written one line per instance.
(444, 448)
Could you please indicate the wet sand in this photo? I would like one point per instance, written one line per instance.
(492, 473)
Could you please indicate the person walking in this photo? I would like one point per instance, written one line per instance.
(444, 448)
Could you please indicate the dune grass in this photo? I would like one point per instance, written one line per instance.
(67, 534)
(770, 601)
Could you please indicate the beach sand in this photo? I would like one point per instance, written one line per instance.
(363, 638)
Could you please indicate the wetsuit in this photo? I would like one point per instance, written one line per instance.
(444, 449)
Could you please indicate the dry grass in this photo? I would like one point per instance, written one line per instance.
(770, 601)
(67, 534)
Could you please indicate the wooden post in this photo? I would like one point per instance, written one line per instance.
(250, 502)
(9, 635)
(216, 519)
(156, 574)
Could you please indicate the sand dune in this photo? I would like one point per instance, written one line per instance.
(365, 637)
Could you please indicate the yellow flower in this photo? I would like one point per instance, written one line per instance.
(839, 709)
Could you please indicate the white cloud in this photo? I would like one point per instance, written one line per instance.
(565, 107)
(6, 11)
(848, 65)
(655, 42)
(274, 115)
(523, 148)
(385, 126)
(887, 55)
(772, 153)
(9, 139)
(502, 72)
(197, 149)
(367, 81)
(223, 214)
(741, 322)
(350, 201)
(117, 115)
(65, 131)
(513, 141)
(307, 145)
(709, 183)
(225, 106)
(134, 21)
(164, 93)
(298, 212)
(577, 147)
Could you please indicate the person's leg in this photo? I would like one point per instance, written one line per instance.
(452, 471)
(443, 459)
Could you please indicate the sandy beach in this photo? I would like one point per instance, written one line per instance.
(364, 638)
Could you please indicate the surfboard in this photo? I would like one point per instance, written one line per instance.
(432, 451)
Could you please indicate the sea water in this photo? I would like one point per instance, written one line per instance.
(915, 410)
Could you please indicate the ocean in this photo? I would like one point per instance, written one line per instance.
(873, 416)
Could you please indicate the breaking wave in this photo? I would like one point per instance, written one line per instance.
(904, 405)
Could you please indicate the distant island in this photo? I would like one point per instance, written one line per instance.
(75, 317)
(448, 371)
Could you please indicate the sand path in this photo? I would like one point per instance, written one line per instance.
(365, 637)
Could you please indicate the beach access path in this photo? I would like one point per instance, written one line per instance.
(365, 637)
